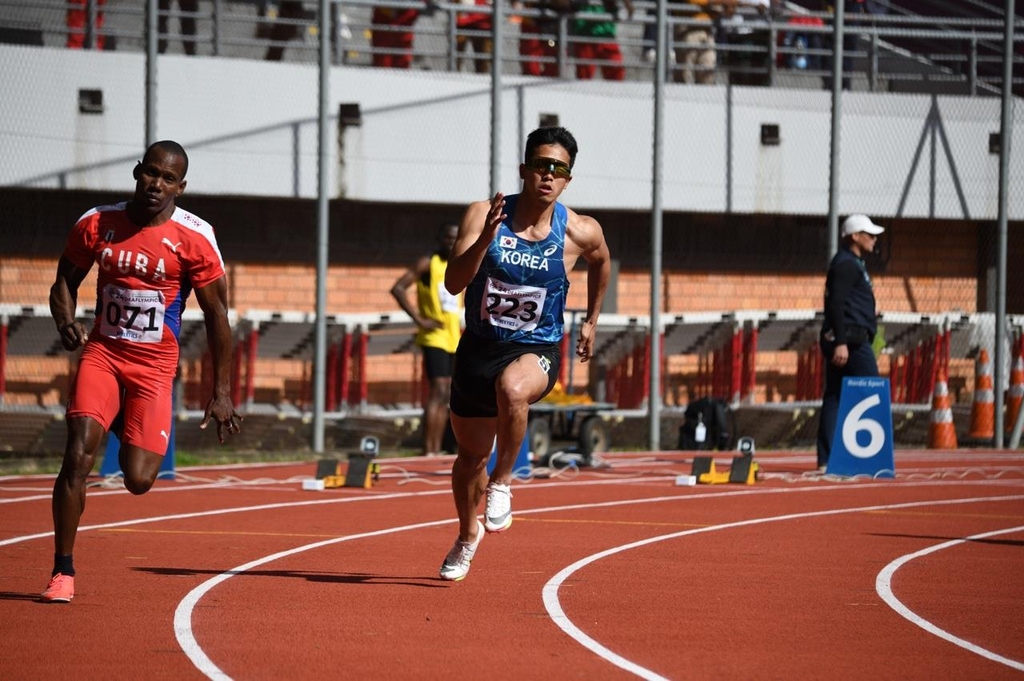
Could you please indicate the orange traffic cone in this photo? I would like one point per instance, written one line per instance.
(983, 410)
(941, 432)
(1015, 395)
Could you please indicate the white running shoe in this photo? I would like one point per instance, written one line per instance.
(498, 515)
(456, 564)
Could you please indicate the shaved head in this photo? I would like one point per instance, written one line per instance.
(170, 147)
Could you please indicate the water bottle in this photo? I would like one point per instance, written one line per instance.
(800, 59)
(700, 432)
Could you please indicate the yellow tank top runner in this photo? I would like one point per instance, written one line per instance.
(436, 303)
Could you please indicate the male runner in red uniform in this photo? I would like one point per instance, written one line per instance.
(150, 255)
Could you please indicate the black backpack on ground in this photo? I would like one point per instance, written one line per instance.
(714, 414)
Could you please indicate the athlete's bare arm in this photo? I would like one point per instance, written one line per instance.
(584, 237)
(479, 224)
(64, 303)
(213, 299)
(400, 293)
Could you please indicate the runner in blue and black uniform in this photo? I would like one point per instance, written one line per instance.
(512, 259)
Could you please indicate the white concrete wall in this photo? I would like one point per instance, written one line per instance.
(250, 129)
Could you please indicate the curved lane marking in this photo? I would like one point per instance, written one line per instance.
(183, 613)
(156, 490)
(246, 486)
(883, 586)
(447, 492)
(220, 511)
(183, 626)
(554, 608)
(289, 504)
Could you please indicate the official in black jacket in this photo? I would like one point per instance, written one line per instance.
(850, 326)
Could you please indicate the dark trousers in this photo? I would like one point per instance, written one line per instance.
(861, 363)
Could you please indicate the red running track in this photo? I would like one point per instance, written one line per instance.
(605, 574)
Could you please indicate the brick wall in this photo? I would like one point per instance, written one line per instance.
(367, 289)
(710, 262)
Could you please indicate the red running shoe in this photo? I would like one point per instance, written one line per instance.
(61, 589)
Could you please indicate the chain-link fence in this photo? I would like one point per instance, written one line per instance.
(746, 185)
(756, 43)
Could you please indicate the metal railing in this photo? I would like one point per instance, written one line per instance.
(788, 47)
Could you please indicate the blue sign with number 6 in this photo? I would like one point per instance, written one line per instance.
(862, 443)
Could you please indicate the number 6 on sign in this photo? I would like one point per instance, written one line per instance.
(855, 422)
(862, 442)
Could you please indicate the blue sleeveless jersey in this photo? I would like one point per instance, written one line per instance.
(519, 292)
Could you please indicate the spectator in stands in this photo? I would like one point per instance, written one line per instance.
(804, 43)
(849, 328)
(747, 64)
(283, 32)
(695, 42)
(512, 258)
(186, 20)
(538, 45)
(480, 23)
(851, 38)
(438, 315)
(650, 38)
(150, 254)
(77, 21)
(391, 40)
(597, 40)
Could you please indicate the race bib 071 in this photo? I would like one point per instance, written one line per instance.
(136, 316)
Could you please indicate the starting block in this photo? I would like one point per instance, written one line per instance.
(362, 470)
(743, 471)
(326, 468)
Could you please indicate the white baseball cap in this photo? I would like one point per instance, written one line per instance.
(860, 223)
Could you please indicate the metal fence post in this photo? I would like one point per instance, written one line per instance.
(453, 47)
(563, 46)
(873, 62)
(90, 24)
(972, 65)
(217, 12)
(338, 48)
(838, 33)
(151, 73)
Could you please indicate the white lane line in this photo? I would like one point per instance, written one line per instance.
(106, 492)
(902, 456)
(243, 485)
(554, 607)
(316, 502)
(883, 585)
(221, 511)
(203, 659)
(687, 495)
(183, 613)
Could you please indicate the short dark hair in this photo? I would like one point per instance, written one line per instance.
(171, 147)
(551, 135)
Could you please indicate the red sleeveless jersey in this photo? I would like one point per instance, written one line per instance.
(145, 275)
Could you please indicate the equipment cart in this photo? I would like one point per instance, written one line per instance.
(578, 423)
